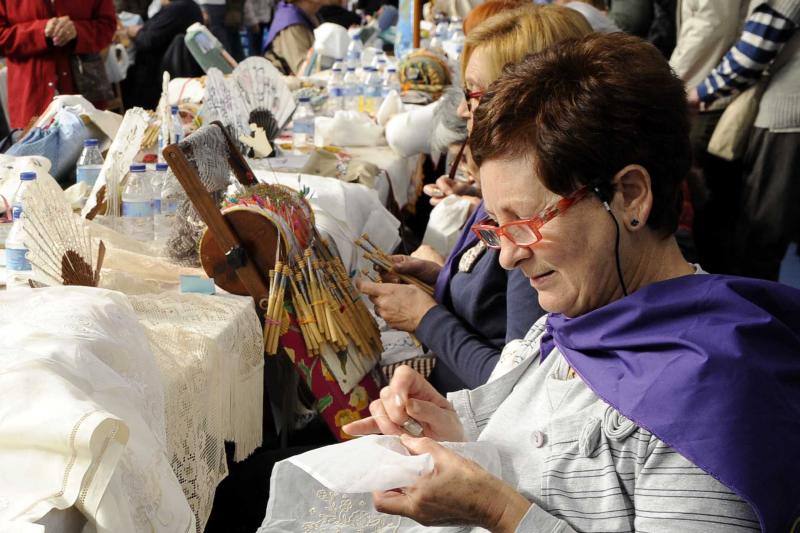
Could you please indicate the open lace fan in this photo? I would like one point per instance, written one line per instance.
(59, 244)
(263, 87)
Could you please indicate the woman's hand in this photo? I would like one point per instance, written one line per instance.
(422, 269)
(61, 30)
(409, 395)
(457, 492)
(426, 252)
(447, 187)
(401, 306)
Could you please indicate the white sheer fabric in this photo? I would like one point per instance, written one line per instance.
(78, 377)
(328, 489)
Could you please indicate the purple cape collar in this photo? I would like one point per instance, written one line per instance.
(711, 366)
(285, 15)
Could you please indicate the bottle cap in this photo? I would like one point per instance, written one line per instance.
(174, 109)
(27, 176)
(90, 142)
(162, 167)
(137, 167)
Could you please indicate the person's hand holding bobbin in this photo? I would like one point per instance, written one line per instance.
(410, 405)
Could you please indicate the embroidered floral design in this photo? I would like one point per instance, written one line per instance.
(349, 513)
(359, 399)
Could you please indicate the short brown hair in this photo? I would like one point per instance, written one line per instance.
(487, 10)
(584, 109)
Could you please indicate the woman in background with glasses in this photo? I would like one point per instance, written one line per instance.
(653, 396)
(477, 306)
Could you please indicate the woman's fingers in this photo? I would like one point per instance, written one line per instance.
(428, 413)
(408, 383)
(365, 426)
(393, 502)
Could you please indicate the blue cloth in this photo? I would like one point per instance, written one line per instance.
(61, 143)
(711, 366)
(478, 312)
(286, 15)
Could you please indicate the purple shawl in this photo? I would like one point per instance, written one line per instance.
(711, 366)
(286, 15)
(465, 241)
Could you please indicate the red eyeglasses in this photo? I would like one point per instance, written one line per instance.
(526, 232)
(469, 96)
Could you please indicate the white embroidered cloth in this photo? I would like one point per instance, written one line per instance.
(327, 490)
(78, 381)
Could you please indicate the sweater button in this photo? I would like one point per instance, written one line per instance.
(538, 439)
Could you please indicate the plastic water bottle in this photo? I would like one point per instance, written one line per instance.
(391, 82)
(336, 96)
(352, 90)
(171, 195)
(89, 163)
(303, 130)
(373, 91)
(18, 268)
(455, 24)
(379, 63)
(137, 205)
(157, 178)
(177, 125)
(441, 30)
(455, 45)
(354, 51)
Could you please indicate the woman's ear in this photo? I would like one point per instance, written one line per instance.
(634, 187)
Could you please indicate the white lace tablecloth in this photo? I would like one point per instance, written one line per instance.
(209, 350)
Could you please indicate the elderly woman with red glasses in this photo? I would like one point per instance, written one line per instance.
(477, 306)
(653, 396)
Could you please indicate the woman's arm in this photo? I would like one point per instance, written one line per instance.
(470, 356)
(23, 39)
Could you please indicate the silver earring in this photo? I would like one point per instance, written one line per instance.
(635, 222)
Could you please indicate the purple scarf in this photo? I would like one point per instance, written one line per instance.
(465, 241)
(711, 366)
(286, 15)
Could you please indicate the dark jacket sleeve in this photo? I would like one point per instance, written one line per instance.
(469, 356)
(158, 32)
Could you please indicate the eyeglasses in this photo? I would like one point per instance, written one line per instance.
(526, 232)
(469, 96)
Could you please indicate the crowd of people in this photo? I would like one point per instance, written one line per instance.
(608, 317)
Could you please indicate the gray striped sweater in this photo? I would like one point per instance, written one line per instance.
(584, 466)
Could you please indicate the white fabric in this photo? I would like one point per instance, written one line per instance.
(399, 170)
(392, 105)
(347, 128)
(331, 40)
(408, 133)
(85, 351)
(327, 490)
(344, 211)
(445, 223)
(209, 351)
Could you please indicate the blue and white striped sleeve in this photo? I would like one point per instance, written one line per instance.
(763, 36)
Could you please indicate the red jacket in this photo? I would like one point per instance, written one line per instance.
(35, 68)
